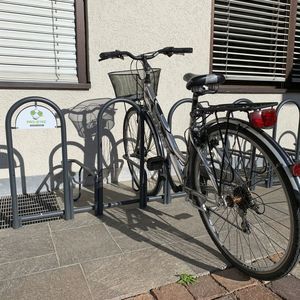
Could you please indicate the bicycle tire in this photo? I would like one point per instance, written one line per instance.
(152, 148)
(275, 245)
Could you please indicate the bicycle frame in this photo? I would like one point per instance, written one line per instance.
(178, 161)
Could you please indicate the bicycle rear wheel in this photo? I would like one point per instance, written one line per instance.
(256, 227)
(151, 149)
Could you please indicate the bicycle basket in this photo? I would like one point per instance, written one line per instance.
(84, 116)
(129, 84)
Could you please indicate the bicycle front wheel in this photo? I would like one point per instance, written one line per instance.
(151, 149)
(255, 226)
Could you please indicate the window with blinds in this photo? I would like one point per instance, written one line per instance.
(38, 41)
(251, 40)
(296, 61)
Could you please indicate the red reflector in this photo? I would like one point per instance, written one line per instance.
(264, 118)
(256, 119)
(296, 169)
(269, 116)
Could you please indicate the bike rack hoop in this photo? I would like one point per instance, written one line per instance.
(99, 186)
(17, 219)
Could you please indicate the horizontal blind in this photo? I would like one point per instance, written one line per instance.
(250, 39)
(37, 41)
(296, 61)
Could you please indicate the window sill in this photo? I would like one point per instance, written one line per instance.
(251, 89)
(44, 86)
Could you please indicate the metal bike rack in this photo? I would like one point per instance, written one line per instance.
(99, 204)
(294, 154)
(17, 218)
(167, 187)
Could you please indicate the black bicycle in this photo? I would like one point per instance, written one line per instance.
(225, 171)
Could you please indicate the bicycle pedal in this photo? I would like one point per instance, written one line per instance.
(155, 163)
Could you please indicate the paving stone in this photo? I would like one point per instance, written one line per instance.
(296, 271)
(28, 266)
(172, 291)
(287, 287)
(200, 254)
(62, 283)
(84, 243)
(141, 297)
(232, 279)
(80, 220)
(257, 292)
(176, 224)
(276, 257)
(132, 273)
(206, 288)
(229, 297)
(25, 242)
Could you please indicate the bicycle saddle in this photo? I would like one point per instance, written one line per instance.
(194, 80)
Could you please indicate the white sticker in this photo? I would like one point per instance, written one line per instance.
(34, 117)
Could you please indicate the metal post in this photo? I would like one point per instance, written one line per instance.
(167, 197)
(143, 174)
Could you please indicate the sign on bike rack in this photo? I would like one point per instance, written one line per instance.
(38, 113)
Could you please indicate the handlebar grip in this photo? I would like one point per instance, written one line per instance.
(182, 50)
(171, 50)
(111, 54)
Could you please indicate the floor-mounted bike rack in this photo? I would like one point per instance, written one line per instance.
(34, 115)
(99, 204)
(167, 187)
(293, 153)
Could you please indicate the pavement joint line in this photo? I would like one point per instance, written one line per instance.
(27, 258)
(77, 227)
(84, 276)
(54, 246)
(113, 238)
(39, 272)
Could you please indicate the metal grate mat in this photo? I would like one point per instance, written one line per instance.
(29, 204)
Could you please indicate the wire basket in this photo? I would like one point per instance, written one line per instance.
(84, 116)
(130, 83)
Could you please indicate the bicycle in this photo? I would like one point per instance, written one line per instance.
(225, 170)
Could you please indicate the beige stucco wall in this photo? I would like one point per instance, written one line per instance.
(138, 26)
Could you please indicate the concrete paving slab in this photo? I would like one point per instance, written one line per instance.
(25, 242)
(132, 273)
(135, 239)
(28, 266)
(83, 243)
(181, 219)
(200, 254)
(287, 287)
(80, 220)
(62, 283)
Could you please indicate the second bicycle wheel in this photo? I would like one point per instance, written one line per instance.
(256, 227)
(151, 149)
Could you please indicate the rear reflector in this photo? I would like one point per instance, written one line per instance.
(296, 169)
(265, 118)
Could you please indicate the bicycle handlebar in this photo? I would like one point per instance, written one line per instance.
(169, 51)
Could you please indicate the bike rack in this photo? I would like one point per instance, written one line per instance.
(295, 154)
(17, 218)
(98, 175)
(168, 196)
